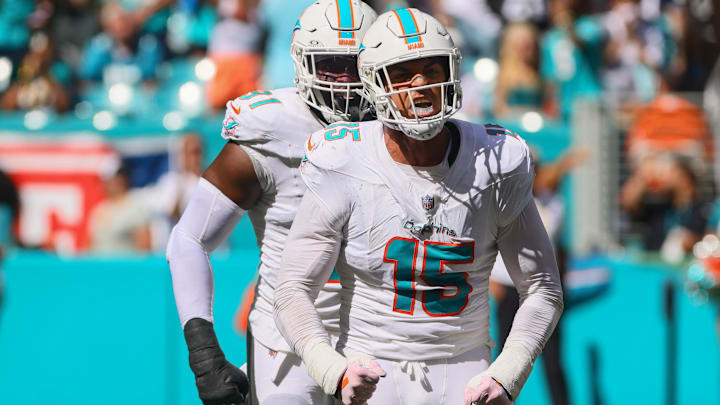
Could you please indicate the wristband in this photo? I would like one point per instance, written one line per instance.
(511, 370)
(325, 366)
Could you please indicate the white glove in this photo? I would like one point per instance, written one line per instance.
(485, 391)
(360, 380)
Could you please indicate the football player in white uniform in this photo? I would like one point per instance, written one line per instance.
(257, 171)
(411, 210)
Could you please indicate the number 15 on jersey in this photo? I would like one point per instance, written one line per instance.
(403, 253)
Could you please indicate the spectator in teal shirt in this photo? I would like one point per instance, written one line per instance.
(13, 23)
(14, 31)
(571, 56)
(120, 45)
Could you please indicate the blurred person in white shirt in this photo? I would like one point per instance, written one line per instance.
(170, 195)
(120, 224)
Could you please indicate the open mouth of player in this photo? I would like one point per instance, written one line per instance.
(424, 109)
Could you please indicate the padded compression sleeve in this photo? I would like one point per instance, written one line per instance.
(207, 221)
(530, 260)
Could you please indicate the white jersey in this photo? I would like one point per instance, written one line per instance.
(273, 128)
(414, 263)
(552, 211)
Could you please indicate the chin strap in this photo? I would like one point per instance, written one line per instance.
(422, 132)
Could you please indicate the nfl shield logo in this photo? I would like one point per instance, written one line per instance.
(428, 202)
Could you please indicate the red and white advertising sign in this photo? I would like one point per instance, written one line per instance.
(59, 179)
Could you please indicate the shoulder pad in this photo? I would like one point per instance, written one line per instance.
(250, 116)
(511, 151)
(332, 147)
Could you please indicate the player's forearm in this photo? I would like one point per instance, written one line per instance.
(300, 325)
(296, 316)
(207, 221)
(537, 316)
(311, 251)
(534, 322)
(537, 280)
(298, 320)
(308, 260)
(191, 277)
(530, 260)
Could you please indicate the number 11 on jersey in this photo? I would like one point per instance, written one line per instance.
(403, 253)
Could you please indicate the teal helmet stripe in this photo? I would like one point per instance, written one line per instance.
(409, 26)
(345, 15)
(296, 29)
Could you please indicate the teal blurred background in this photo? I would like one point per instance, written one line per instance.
(105, 330)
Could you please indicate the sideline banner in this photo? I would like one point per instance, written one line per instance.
(60, 180)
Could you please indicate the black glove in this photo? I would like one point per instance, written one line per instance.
(218, 381)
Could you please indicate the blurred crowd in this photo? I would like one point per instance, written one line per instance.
(520, 57)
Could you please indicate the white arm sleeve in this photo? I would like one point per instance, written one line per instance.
(311, 252)
(530, 261)
(207, 221)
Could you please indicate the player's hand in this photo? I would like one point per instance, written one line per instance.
(218, 381)
(359, 381)
(486, 392)
(224, 385)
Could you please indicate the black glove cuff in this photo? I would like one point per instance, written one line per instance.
(203, 347)
(199, 334)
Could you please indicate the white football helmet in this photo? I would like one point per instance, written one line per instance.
(400, 36)
(324, 46)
